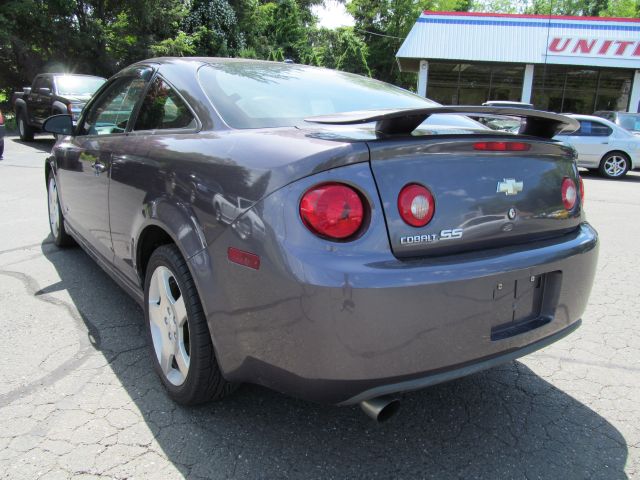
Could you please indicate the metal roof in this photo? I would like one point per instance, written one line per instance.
(485, 37)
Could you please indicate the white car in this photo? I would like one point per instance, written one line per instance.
(604, 146)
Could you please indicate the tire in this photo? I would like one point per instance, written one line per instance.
(614, 165)
(177, 332)
(25, 131)
(1, 147)
(56, 221)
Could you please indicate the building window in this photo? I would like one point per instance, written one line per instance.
(474, 83)
(575, 89)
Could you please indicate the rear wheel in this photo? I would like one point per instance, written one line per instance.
(25, 131)
(177, 331)
(614, 165)
(56, 221)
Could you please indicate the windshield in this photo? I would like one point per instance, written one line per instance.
(78, 85)
(630, 121)
(257, 95)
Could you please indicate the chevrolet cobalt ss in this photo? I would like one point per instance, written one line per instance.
(320, 233)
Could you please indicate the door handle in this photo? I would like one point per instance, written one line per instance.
(605, 143)
(98, 167)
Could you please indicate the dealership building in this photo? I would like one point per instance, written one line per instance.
(560, 64)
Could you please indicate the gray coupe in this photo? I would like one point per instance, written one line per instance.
(323, 234)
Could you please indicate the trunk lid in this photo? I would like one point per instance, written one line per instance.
(476, 192)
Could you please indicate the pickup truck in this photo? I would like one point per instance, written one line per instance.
(52, 94)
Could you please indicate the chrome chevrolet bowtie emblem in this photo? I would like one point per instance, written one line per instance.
(509, 186)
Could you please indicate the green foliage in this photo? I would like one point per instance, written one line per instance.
(341, 49)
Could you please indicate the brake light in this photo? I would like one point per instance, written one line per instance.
(332, 210)
(569, 193)
(416, 205)
(502, 146)
(1, 119)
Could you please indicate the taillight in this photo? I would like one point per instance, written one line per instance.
(416, 205)
(569, 193)
(502, 146)
(1, 119)
(332, 210)
(581, 189)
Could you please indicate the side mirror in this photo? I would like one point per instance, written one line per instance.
(44, 91)
(59, 124)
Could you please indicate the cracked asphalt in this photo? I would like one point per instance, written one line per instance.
(79, 398)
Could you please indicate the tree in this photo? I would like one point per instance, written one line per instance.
(340, 49)
(383, 25)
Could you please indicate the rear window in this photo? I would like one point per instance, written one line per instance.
(258, 95)
(73, 85)
(630, 121)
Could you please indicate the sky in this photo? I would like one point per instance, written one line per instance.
(333, 15)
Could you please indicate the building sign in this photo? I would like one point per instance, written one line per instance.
(594, 47)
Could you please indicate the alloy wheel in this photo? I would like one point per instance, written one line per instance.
(169, 326)
(54, 208)
(615, 165)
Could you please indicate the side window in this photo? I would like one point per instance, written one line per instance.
(112, 112)
(592, 129)
(37, 83)
(600, 130)
(162, 108)
(47, 83)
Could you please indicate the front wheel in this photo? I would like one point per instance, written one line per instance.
(177, 331)
(25, 131)
(614, 165)
(56, 221)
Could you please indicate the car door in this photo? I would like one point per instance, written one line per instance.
(591, 141)
(147, 172)
(33, 99)
(84, 166)
(42, 104)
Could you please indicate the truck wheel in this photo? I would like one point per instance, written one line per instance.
(25, 131)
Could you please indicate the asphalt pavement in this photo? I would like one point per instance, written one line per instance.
(79, 397)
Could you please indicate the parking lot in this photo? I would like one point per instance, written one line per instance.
(79, 397)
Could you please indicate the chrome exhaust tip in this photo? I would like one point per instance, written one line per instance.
(380, 409)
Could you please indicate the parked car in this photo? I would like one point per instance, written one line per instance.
(51, 94)
(628, 121)
(604, 146)
(2, 129)
(362, 281)
(502, 123)
(506, 103)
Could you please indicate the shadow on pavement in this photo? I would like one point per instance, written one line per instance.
(43, 143)
(630, 177)
(504, 423)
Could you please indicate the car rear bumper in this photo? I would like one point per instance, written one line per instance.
(346, 330)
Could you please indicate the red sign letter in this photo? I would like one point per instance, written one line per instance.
(605, 47)
(622, 46)
(584, 46)
(554, 46)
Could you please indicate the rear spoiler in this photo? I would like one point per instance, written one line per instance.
(403, 121)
